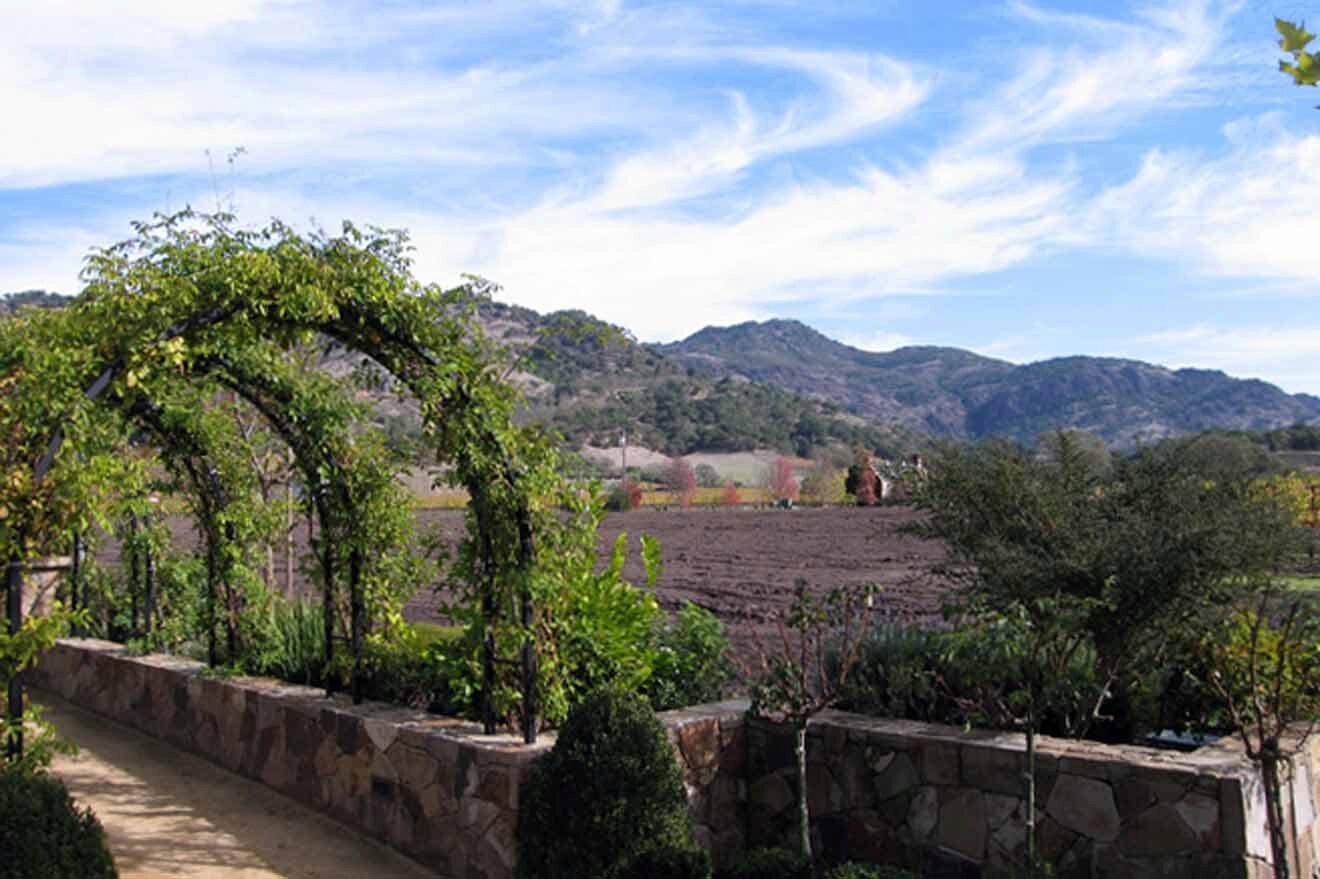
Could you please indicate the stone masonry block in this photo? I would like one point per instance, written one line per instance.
(1085, 806)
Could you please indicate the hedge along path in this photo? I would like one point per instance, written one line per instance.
(188, 288)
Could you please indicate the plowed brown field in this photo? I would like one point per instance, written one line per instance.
(741, 564)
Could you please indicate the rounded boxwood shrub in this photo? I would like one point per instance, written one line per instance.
(670, 862)
(42, 832)
(772, 863)
(609, 790)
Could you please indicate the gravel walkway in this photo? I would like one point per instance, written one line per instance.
(171, 815)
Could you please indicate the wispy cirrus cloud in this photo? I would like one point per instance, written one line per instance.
(667, 165)
(1246, 213)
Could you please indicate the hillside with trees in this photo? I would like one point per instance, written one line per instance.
(588, 380)
(956, 393)
(781, 384)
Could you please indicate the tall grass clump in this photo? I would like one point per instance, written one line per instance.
(293, 647)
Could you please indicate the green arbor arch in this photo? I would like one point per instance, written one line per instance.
(190, 295)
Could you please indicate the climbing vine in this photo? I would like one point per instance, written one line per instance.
(193, 303)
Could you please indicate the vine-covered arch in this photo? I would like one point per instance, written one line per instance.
(189, 291)
(186, 445)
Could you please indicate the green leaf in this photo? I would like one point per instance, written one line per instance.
(619, 555)
(651, 559)
(1293, 37)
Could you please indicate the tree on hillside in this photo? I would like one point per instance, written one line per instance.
(730, 496)
(707, 476)
(1091, 447)
(681, 480)
(824, 485)
(780, 481)
(862, 481)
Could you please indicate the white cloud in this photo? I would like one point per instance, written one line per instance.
(859, 93)
(102, 92)
(878, 234)
(1084, 90)
(878, 340)
(669, 206)
(1283, 354)
(1246, 214)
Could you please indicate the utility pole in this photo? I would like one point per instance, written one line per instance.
(623, 442)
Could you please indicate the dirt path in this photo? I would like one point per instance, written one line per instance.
(171, 815)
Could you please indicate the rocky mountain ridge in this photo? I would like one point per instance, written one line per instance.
(782, 384)
(957, 393)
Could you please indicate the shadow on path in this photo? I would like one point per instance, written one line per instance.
(172, 815)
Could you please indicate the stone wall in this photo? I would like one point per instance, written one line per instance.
(1302, 806)
(711, 744)
(951, 802)
(885, 791)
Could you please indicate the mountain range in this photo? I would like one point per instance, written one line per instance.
(957, 393)
(782, 384)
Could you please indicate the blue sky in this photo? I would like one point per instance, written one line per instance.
(1025, 180)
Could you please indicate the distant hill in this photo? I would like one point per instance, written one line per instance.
(952, 392)
(12, 302)
(781, 384)
(590, 380)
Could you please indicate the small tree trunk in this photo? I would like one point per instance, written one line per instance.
(288, 531)
(804, 816)
(1029, 781)
(212, 574)
(357, 622)
(327, 597)
(488, 668)
(133, 575)
(488, 610)
(75, 578)
(149, 591)
(1029, 784)
(231, 611)
(528, 673)
(529, 694)
(1269, 770)
(14, 612)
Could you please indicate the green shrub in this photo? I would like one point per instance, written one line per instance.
(868, 871)
(422, 666)
(180, 604)
(43, 834)
(609, 790)
(670, 862)
(971, 676)
(771, 863)
(896, 675)
(692, 664)
(607, 639)
(707, 476)
(435, 633)
(623, 496)
(292, 643)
